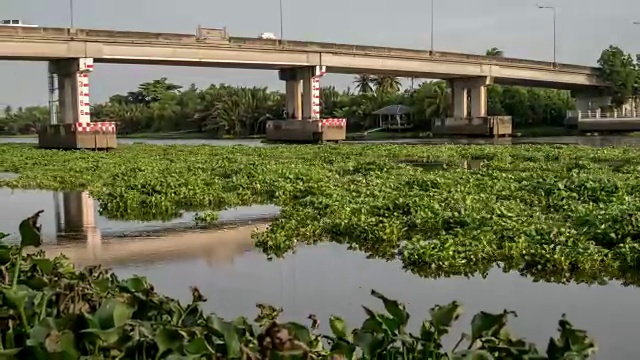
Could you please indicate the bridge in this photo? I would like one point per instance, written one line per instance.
(72, 52)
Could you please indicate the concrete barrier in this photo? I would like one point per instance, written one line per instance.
(305, 131)
(480, 126)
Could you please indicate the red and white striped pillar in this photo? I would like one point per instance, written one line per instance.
(316, 106)
(85, 66)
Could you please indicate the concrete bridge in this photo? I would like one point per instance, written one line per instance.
(71, 53)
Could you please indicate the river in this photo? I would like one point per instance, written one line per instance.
(567, 140)
(234, 276)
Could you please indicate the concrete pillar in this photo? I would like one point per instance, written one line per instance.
(479, 101)
(70, 77)
(469, 97)
(307, 95)
(293, 99)
(303, 91)
(460, 97)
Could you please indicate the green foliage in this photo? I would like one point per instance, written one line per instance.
(620, 70)
(222, 110)
(55, 311)
(558, 213)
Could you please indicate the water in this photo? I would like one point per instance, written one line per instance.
(599, 141)
(327, 279)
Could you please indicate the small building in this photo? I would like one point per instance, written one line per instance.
(394, 117)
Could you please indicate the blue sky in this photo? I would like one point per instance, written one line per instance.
(584, 28)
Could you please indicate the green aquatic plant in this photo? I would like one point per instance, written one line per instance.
(53, 311)
(561, 213)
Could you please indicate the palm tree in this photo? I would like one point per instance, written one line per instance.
(364, 83)
(494, 51)
(387, 84)
(437, 100)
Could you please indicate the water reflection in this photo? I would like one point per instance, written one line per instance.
(325, 279)
(597, 141)
(81, 210)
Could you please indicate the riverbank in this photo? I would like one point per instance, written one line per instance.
(547, 131)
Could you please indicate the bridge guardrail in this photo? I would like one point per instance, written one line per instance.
(293, 44)
(598, 114)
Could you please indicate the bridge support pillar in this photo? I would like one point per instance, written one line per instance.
(469, 97)
(70, 125)
(72, 77)
(293, 99)
(303, 91)
(591, 101)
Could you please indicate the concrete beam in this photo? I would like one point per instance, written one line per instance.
(184, 50)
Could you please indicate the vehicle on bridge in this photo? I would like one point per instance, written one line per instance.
(268, 36)
(15, 22)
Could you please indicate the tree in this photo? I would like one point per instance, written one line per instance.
(364, 83)
(223, 110)
(386, 85)
(494, 51)
(621, 71)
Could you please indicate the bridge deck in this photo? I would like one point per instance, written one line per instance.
(173, 38)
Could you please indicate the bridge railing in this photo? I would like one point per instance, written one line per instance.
(105, 35)
(598, 114)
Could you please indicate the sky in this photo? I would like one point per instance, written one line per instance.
(518, 27)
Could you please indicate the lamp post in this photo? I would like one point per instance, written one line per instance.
(552, 8)
(432, 18)
(71, 14)
(281, 23)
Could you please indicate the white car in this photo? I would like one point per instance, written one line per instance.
(268, 36)
(15, 23)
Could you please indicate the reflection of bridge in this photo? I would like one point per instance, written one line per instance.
(79, 238)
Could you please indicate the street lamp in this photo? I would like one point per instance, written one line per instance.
(432, 17)
(281, 23)
(552, 8)
(71, 13)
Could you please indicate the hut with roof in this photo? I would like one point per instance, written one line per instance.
(394, 117)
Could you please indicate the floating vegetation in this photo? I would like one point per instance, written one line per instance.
(557, 213)
(52, 311)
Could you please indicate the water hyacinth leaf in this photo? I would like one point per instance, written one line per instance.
(5, 256)
(61, 345)
(112, 313)
(370, 342)
(17, 296)
(42, 329)
(9, 353)
(30, 231)
(44, 265)
(571, 343)
(3, 235)
(168, 339)
(487, 324)
(394, 308)
(228, 331)
(338, 326)
(198, 346)
(37, 283)
(478, 355)
(442, 317)
(137, 284)
(109, 336)
(298, 331)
